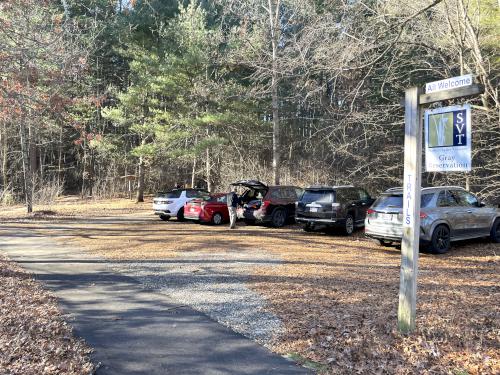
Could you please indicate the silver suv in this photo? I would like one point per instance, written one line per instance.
(447, 213)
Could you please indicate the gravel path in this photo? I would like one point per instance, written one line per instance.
(213, 283)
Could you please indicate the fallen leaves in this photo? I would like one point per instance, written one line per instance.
(34, 339)
(336, 296)
(339, 305)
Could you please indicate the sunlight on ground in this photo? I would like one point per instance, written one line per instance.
(337, 296)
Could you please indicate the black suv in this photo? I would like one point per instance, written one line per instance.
(341, 207)
(267, 204)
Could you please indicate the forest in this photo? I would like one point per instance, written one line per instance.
(99, 96)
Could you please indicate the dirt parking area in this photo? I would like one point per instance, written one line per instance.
(330, 301)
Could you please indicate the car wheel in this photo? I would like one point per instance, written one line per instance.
(349, 225)
(165, 217)
(308, 227)
(495, 231)
(279, 218)
(384, 243)
(440, 241)
(180, 214)
(217, 219)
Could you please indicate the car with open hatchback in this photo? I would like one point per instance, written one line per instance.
(261, 203)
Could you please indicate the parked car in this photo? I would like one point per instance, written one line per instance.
(267, 204)
(212, 209)
(171, 203)
(342, 207)
(447, 214)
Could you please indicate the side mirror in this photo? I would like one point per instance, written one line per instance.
(481, 204)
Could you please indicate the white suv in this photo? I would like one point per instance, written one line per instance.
(172, 202)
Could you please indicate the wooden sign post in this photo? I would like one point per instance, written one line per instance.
(414, 102)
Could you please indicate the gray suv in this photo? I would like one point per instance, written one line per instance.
(447, 214)
(341, 207)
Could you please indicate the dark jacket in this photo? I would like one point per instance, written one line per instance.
(232, 199)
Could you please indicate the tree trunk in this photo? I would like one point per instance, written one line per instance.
(140, 179)
(59, 157)
(208, 170)
(5, 151)
(27, 175)
(193, 171)
(84, 172)
(273, 22)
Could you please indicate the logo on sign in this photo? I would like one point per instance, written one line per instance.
(448, 139)
(447, 129)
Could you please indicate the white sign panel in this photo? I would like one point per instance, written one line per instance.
(448, 139)
(409, 195)
(449, 83)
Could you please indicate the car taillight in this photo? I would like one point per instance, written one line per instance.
(423, 215)
(264, 205)
(370, 211)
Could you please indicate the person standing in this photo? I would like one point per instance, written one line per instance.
(232, 204)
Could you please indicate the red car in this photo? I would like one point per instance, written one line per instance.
(211, 209)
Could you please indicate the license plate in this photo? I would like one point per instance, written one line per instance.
(313, 209)
(384, 216)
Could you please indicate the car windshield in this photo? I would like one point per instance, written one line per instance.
(170, 194)
(216, 198)
(396, 201)
(319, 196)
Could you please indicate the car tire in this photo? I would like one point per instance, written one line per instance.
(164, 217)
(384, 243)
(279, 218)
(308, 227)
(180, 214)
(440, 240)
(495, 231)
(217, 218)
(348, 225)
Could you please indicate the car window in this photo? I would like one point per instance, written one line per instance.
(363, 195)
(220, 199)
(170, 194)
(446, 199)
(425, 200)
(276, 193)
(289, 193)
(191, 194)
(319, 196)
(396, 201)
(465, 198)
(299, 192)
(196, 193)
(347, 195)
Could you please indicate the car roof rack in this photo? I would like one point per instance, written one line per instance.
(328, 186)
(426, 188)
(393, 189)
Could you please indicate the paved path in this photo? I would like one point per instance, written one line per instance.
(135, 331)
